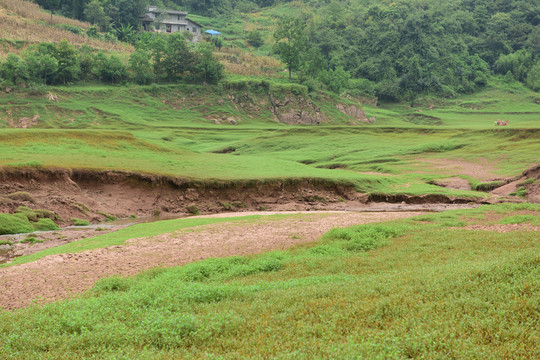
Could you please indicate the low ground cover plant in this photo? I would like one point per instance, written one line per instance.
(27, 220)
(79, 222)
(401, 289)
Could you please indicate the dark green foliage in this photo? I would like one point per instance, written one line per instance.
(95, 13)
(207, 69)
(410, 48)
(255, 38)
(111, 69)
(290, 41)
(139, 64)
(68, 67)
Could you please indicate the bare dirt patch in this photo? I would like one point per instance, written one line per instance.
(482, 171)
(60, 276)
(93, 195)
(455, 183)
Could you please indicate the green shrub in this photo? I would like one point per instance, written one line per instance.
(45, 225)
(487, 186)
(521, 191)
(32, 240)
(13, 224)
(108, 217)
(362, 238)
(193, 210)
(80, 222)
(29, 213)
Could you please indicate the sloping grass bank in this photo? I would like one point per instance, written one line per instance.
(404, 289)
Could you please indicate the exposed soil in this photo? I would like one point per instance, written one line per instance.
(99, 195)
(482, 171)
(456, 183)
(60, 276)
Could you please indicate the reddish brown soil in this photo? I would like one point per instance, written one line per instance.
(91, 194)
(60, 276)
(481, 171)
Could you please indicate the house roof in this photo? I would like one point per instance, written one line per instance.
(175, 12)
(155, 9)
(146, 18)
(199, 25)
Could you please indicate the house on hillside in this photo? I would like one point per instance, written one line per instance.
(170, 21)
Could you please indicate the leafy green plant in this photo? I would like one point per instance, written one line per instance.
(13, 224)
(45, 225)
(193, 209)
(79, 222)
(32, 240)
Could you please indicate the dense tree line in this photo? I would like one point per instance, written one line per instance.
(107, 14)
(159, 58)
(393, 50)
(410, 47)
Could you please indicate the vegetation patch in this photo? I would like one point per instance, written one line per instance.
(31, 240)
(79, 222)
(390, 279)
(520, 219)
(14, 224)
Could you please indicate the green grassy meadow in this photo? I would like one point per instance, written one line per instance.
(169, 130)
(425, 287)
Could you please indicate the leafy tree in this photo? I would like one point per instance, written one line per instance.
(533, 78)
(14, 70)
(126, 12)
(255, 38)
(207, 68)
(179, 58)
(68, 68)
(42, 68)
(112, 69)
(290, 41)
(217, 41)
(125, 33)
(139, 64)
(95, 13)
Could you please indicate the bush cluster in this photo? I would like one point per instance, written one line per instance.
(157, 59)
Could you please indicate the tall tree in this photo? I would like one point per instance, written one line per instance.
(290, 41)
(95, 13)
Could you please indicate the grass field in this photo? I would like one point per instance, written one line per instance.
(421, 288)
(168, 130)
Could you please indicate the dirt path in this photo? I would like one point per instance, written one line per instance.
(59, 276)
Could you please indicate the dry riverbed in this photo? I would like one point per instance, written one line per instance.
(61, 276)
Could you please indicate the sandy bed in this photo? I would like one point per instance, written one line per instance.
(59, 276)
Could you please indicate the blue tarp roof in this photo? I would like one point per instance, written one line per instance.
(212, 32)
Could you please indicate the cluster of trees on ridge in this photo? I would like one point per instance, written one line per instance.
(392, 50)
(161, 58)
(410, 47)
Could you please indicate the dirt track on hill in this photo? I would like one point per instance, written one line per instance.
(61, 276)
